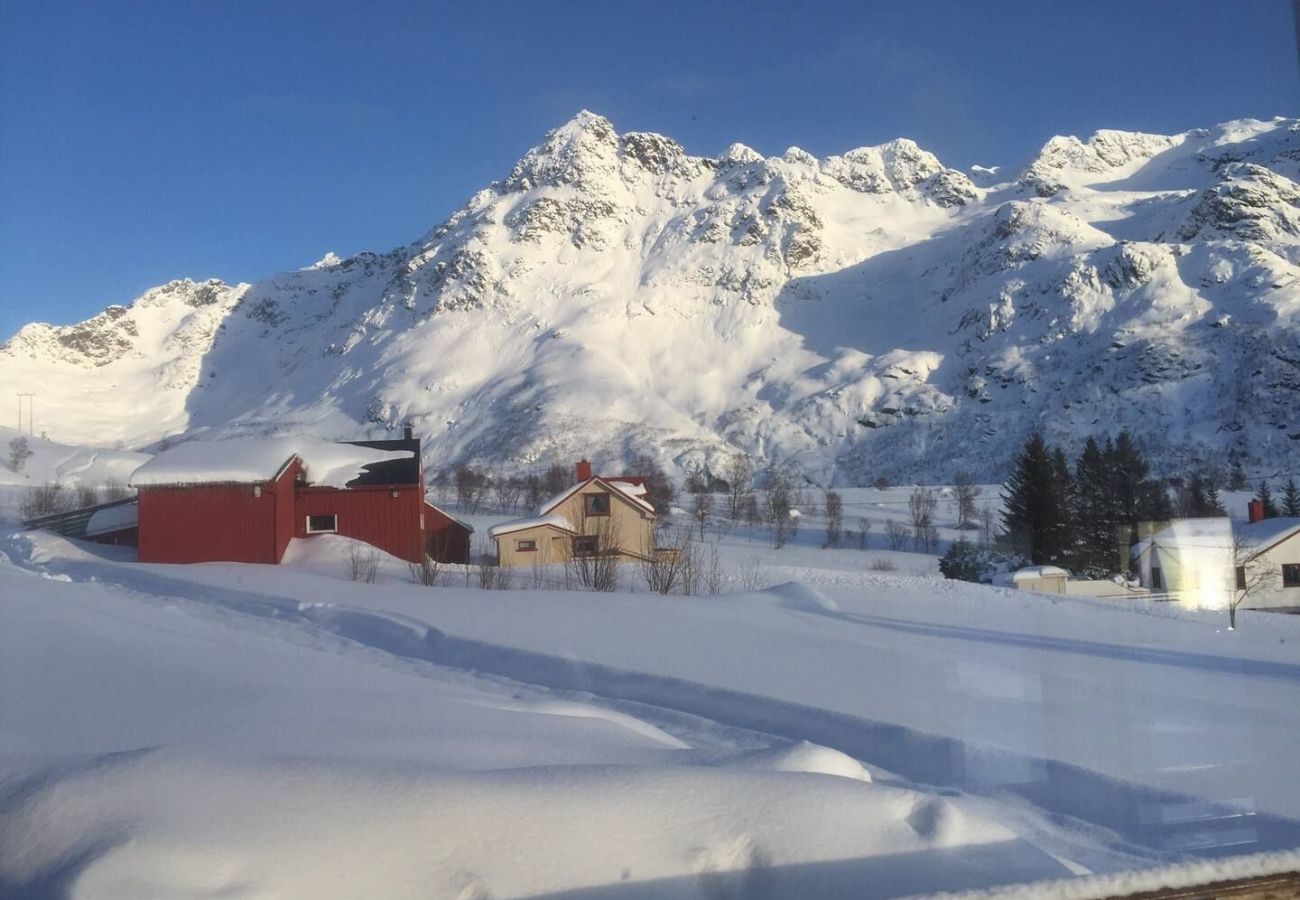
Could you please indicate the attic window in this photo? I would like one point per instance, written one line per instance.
(322, 524)
(595, 504)
(526, 546)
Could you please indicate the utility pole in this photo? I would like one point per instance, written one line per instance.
(31, 428)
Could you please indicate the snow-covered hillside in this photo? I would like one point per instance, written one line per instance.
(864, 315)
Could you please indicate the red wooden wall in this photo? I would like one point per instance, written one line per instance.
(446, 539)
(216, 522)
(370, 514)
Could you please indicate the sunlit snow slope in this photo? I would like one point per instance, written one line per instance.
(864, 315)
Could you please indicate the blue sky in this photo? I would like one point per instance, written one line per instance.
(141, 142)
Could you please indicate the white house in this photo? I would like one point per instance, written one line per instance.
(1206, 563)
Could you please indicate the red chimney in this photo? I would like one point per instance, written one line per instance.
(1255, 510)
(583, 470)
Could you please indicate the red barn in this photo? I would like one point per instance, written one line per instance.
(242, 500)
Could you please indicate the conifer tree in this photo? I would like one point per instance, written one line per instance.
(1265, 496)
(1213, 502)
(1036, 515)
(1291, 499)
(1098, 549)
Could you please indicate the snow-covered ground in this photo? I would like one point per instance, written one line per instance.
(828, 729)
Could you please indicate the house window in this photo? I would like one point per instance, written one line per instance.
(596, 504)
(584, 545)
(1291, 575)
(1157, 582)
(1241, 578)
(526, 546)
(322, 524)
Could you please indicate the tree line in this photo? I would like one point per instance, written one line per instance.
(1085, 516)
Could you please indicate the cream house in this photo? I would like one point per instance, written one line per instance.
(1208, 563)
(598, 514)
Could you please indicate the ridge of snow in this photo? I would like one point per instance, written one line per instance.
(248, 461)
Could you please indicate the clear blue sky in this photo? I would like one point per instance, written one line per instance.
(141, 142)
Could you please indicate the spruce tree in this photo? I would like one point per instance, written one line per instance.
(1265, 496)
(1098, 552)
(1062, 545)
(1136, 497)
(1213, 502)
(1291, 499)
(1036, 503)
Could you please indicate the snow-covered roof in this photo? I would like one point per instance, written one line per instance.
(1265, 533)
(1189, 535)
(461, 522)
(113, 518)
(632, 490)
(555, 521)
(252, 460)
(1029, 573)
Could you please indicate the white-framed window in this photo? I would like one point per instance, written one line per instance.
(324, 524)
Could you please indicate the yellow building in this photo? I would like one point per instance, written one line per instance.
(597, 515)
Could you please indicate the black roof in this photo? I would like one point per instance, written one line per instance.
(391, 471)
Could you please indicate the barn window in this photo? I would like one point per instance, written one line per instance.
(322, 524)
(596, 504)
(1291, 575)
(584, 545)
(526, 546)
(1241, 578)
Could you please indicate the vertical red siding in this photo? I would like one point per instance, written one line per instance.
(286, 506)
(446, 539)
(370, 514)
(207, 523)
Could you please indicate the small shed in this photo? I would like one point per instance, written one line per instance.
(1040, 579)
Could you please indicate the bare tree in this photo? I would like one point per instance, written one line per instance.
(697, 479)
(921, 505)
(988, 526)
(468, 488)
(711, 570)
(751, 573)
(740, 485)
(594, 561)
(506, 490)
(428, 571)
(702, 504)
(533, 493)
(751, 511)
(965, 492)
(1254, 574)
(776, 510)
(20, 451)
(884, 565)
(896, 534)
(864, 532)
(662, 566)
(834, 518)
(555, 480)
(87, 495)
(43, 500)
(362, 562)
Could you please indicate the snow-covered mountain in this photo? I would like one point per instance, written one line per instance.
(865, 315)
